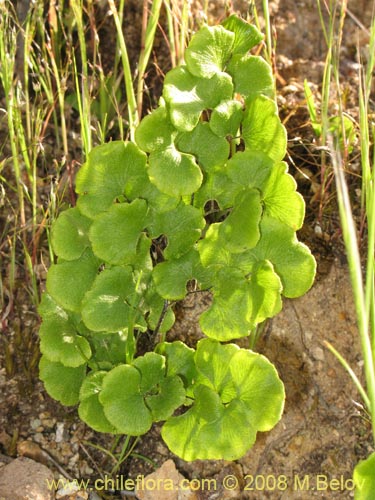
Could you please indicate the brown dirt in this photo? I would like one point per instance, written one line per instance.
(323, 432)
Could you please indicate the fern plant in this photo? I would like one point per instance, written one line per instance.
(202, 197)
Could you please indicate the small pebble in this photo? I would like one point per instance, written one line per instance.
(49, 422)
(318, 353)
(38, 437)
(59, 432)
(318, 230)
(66, 450)
(161, 449)
(35, 423)
(74, 459)
(85, 470)
(68, 489)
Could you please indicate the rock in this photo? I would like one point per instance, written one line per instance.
(228, 483)
(35, 423)
(69, 489)
(32, 450)
(59, 432)
(164, 484)
(24, 479)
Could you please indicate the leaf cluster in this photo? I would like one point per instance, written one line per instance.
(202, 196)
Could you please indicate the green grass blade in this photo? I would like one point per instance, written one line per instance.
(355, 268)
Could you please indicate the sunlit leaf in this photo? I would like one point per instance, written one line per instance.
(217, 427)
(364, 478)
(110, 305)
(187, 95)
(240, 302)
(226, 118)
(144, 394)
(60, 342)
(123, 401)
(252, 76)
(182, 226)
(209, 149)
(115, 234)
(63, 383)
(291, 259)
(174, 173)
(262, 129)
(208, 51)
(155, 132)
(180, 360)
(281, 199)
(229, 316)
(246, 35)
(240, 230)
(70, 234)
(90, 409)
(276, 186)
(68, 281)
(171, 277)
(111, 171)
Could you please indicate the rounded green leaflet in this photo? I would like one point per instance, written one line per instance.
(228, 317)
(240, 230)
(63, 383)
(153, 307)
(111, 171)
(109, 350)
(252, 76)
(265, 287)
(180, 360)
(48, 308)
(111, 303)
(249, 169)
(187, 95)
(123, 401)
(152, 369)
(209, 149)
(191, 437)
(155, 132)
(162, 394)
(170, 395)
(240, 396)
(171, 277)
(218, 187)
(114, 234)
(237, 233)
(291, 259)
(208, 51)
(174, 173)
(277, 187)
(212, 251)
(262, 129)
(90, 409)
(281, 199)
(246, 35)
(259, 387)
(364, 478)
(135, 396)
(211, 361)
(240, 302)
(60, 342)
(182, 226)
(70, 234)
(226, 118)
(68, 281)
